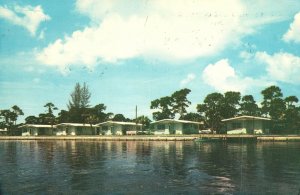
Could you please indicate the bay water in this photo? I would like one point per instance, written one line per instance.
(153, 167)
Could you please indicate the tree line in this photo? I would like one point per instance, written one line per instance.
(79, 111)
(284, 111)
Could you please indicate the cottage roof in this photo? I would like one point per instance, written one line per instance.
(245, 117)
(37, 126)
(120, 123)
(76, 124)
(177, 121)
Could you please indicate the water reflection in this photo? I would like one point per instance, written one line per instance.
(141, 167)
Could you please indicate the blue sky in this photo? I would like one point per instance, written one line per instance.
(130, 53)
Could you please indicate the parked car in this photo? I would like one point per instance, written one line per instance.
(206, 131)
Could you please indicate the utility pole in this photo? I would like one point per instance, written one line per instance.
(136, 119)
(135, 113)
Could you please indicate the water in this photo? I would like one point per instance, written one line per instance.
(55, 167)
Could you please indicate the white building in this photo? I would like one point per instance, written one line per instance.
(76, 129)
(247, 125)
(118, 128)
(3, 131)
(173, 126)
(34, 129)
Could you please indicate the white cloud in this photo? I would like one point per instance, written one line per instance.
(293, 34)
(281, 66)
(175, 31)
(223, 77)
(28, 17)
(41, 35)
(190, 77)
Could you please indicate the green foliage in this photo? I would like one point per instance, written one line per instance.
(291, 101)
(50, 107)
(100, 114)
(230, 105)
(10, 116)
(120, 117)
(32, 120)
(212, 110)
(63, 116)
(168, 106)
(277, 108)
(191, 116)
(291, 120)
(272, 98)
(79, 104)
(164, 105)
(85, 115)
(248, 106)
(16, 111)
(80, 97)
(85, 96)
(292, 115)
(144, 120)
(7, 117)
(285, 112)
(180, 101)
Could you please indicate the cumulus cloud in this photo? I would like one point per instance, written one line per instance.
(190, 77)
(28, 17)
(223, 77)
(176, 31)
(281, 66)
(293, 34)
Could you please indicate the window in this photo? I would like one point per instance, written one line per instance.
(190, 129)
(161, 126)
(104, 128)
(236, 125)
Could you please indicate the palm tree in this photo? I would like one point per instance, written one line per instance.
(91, 119)
(15, 113)
(144, 120)
(50, 107)
(31, 120)
(5, 114)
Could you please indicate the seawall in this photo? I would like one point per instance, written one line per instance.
(103, 138)
(207, 137)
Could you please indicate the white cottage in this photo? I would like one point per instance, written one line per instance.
(76, 129)
(35, 129)
(247, 125)
(118, 128)
(3, 131)
(173, 126)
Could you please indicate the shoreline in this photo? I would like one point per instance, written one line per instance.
(207, 137)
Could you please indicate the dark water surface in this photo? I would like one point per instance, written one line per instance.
(55, 167)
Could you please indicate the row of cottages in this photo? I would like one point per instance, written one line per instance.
(247, 125)
(60, 129)
(236, 125)
(106, 128)
(166, 126)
